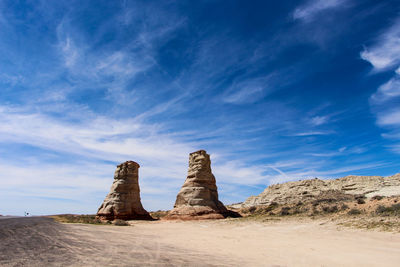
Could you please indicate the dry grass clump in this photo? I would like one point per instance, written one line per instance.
(87, 219)
(119, 222)
(373, 224)
(72, 218)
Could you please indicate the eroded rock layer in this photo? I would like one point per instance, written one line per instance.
(123, 201)
(292, 192)
(198, 197)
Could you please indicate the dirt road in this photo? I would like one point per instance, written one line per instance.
(42, 242)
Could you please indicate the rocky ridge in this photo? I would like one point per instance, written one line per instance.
(292, 192)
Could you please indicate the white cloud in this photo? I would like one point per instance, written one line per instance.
(310, 133)
(312, 8)
(387, 91)
(384, 55)
(319, 120)
(248, 90)
(395, 148)
(386, 51)
(163, 158)
(389, 118)
(308, 172)
(109, 138)
(245, 95)
(235, 172)
(69, 51)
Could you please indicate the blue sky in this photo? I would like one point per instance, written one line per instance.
(274, 90)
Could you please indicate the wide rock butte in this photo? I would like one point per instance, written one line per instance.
(198, 197)
(123, 201)
(292, 192)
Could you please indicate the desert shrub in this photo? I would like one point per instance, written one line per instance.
(380, 209)
(119, 222)
(285, 211)
(264, 209)
(377, 197)
(344, 207)
(252, 209)
(314, 211)
(299, 203)
(392, 210)
(248, 209)
(315, 203)
(360, 201)
(354, 212)
(158, 214)
(330, 209)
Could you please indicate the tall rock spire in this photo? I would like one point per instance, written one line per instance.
(123, 201)
(198, 197)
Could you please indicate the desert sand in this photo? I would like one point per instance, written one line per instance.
(39, 241)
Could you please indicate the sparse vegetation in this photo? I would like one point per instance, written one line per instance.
(330, 209)
(71, 218)
(252, 209)
(360, 201)
(345, 211)
(377, 198)
(285, 211)
(158, 214)
(386, 211)
(354, 212)
(119, 222)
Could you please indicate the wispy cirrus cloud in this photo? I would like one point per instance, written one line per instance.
(311, 133)
(387, 91)
(389, 118)
(310, 9)
(247, 91)
(319, 120)
(385, 53)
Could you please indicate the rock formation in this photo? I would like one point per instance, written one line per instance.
(123, 201)
(198, 197)
(291, 192)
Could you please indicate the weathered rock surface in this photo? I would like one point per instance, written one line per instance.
(123, 201)
(292, 192)
(198, 197)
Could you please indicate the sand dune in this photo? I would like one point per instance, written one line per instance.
(43, 242)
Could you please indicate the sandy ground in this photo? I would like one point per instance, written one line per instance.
(43, 242)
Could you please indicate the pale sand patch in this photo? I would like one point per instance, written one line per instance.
(287, 243)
